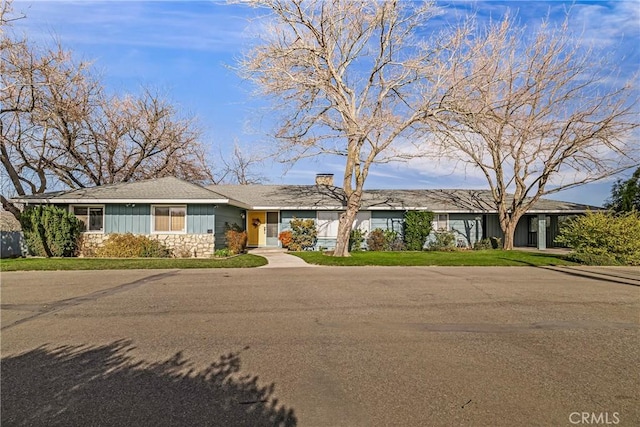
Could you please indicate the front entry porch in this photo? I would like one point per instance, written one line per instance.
(262, 229)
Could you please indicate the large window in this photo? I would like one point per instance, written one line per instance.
(169, 219)
(328, 222)
(91, 216)
(440, 222)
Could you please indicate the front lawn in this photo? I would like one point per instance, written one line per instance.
(22, 264)
(457, 258)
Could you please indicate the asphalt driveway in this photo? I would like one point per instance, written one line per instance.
(364, 346)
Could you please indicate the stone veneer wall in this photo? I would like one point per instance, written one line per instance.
(182, 245)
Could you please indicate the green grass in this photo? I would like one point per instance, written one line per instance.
(458, 258)
(24, 264)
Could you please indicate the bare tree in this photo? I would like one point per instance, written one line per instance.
(348, 79)
(536, 113)
(240, 167)
(59, 130)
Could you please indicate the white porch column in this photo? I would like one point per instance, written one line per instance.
(542, 231)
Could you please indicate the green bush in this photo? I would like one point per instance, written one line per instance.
(443, 241)
(222, 253)
(132, 246)
(51, 231)
(483, 244)
(604, 234)
(376, 240)
(384, 240)
(417, 227)
(304, 234)
(356, 239)
(393, 241)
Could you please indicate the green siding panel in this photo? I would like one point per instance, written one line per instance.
(226, 216)
(200, 219)
(387, 220)
(129, 218)
(467, 227)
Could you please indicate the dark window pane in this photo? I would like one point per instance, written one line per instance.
(95, 219)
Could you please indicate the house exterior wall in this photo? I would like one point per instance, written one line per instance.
(121, 218)
(198, 241)
(467, 228)
(201, 219)
(225, 216)
(521, 236)
(388, 220)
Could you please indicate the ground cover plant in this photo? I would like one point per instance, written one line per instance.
(437, 258)
(29, 264)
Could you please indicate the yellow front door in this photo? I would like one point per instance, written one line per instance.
(257, 228)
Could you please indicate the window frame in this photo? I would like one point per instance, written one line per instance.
(87, 224)
(153, 219)
(436, 220)
(320, 225)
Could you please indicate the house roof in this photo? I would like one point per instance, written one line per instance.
(167, 189)
(294, 197)
(290, 197)
(285, 196)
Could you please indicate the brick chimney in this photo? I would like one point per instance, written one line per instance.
(324, 179)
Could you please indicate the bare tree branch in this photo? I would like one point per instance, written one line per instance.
(348, 78)
(536, 113)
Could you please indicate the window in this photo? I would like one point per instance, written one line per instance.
(363, 221)
(169, 219)
(328, 224)
(91, 216)
(440, 222)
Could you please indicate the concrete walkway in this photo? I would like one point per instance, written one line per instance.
(279, 258)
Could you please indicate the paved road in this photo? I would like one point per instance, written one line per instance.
(319, 347)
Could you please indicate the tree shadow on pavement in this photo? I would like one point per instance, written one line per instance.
(105, 385)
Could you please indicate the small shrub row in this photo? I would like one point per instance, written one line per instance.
(132, 246)
(488, 243)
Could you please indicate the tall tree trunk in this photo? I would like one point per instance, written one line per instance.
(508, 232)
(508, 224)
(346, 224)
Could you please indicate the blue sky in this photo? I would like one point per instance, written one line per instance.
(186, 49)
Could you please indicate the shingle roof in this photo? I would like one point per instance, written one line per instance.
(328, 197)
(284, 196)
(158, 189)
(293, 197)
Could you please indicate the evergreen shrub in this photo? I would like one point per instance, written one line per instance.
(51, 231)
(417, 226)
